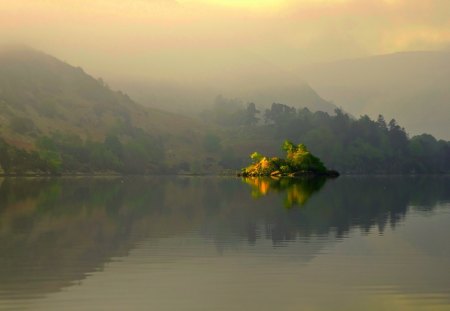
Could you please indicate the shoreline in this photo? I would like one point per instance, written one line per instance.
(117, 175)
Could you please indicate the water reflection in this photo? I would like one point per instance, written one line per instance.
(53, 232)
(56, 232)
(298, 190)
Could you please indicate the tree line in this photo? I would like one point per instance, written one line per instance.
(345, 143)
(60, 152)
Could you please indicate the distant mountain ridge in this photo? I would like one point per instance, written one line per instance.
(412, 87)
(269, 87)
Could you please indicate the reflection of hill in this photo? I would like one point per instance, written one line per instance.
(65, 229)
(54, 232)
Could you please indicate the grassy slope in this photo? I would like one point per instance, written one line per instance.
(40, 94)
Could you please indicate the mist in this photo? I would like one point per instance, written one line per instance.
(213, 42)
(180, 55)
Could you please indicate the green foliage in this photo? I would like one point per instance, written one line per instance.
(113, 144)
(298, 160)
(88, 127)
(279, 113)
(256, 157)
(18, 161)
(52, 159)
(67, 153)
(4, 156)
(352, 145)
(288, 146)
(50, 151)
(285, 169)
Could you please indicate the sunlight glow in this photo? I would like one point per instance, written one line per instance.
(264, 4)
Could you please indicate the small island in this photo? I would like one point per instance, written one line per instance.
(299, 162)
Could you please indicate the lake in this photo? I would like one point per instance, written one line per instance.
(223, 243)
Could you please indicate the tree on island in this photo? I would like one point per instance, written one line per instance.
(299, 161)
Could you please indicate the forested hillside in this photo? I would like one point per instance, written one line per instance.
(344, 143)
(56, 118)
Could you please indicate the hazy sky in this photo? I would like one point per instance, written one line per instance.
(197, 39)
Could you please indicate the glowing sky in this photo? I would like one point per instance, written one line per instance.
(197, 39)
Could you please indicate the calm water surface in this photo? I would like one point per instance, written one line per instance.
(208, 243)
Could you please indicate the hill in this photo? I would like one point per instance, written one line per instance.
(57, 119)
(48, 105)
(411, 87)
(266, 86)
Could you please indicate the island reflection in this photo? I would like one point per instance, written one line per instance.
(298, 190)
(54, 232)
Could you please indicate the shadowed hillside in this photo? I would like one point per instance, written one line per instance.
(46, 104)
